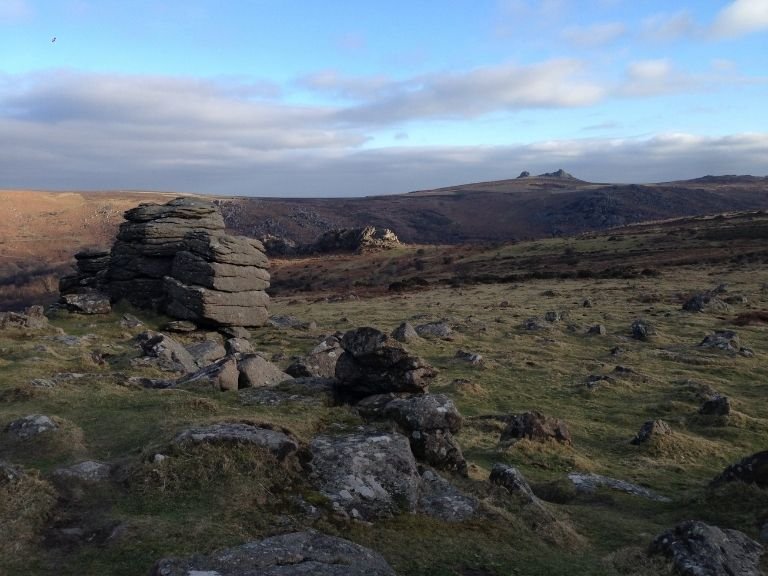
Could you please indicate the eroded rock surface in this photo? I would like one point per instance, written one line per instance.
(296, 554)
(698, 549)
(279, 442)
(367, 474)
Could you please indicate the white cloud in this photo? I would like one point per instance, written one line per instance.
(456, 95)
(595, 35)
(14, 10)
(741, 17)
(667, 27)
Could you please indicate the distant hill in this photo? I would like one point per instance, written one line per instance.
(40, 231)
(551, 204)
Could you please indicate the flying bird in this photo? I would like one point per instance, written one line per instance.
(54, 40)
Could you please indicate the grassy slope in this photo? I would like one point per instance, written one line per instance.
(212, 499)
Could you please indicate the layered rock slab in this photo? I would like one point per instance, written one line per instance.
(298, 553)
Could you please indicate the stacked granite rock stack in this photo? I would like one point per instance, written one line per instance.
(176, 258)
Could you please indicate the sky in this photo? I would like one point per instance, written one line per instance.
(306, 98)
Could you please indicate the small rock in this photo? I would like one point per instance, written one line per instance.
(88, 471)
(438, 498)
(405, 333)
(587, 303)
(130, 321)
(288, 321)
(206, 352)
(471, 358)
(31, 426)
(180, 326)
(651, 429)
(512, 480)
(280, 443)
(706, 301)
(170, 355)
(536, 426)
(597, 330)
(255, 371)
(552, 316)
(439, 330)
(726, 340)
(238, 346)
(222, 374)
(642, 329)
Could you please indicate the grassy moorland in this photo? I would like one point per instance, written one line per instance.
(205, 499)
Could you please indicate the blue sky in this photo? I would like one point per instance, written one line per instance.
(300, 98)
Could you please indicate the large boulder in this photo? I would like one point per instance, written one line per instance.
(176, 258)
(750, 470)
(513, 481)
(374, 363)
(698, 549)
(367, 474)
(296, 554)
(440, 499)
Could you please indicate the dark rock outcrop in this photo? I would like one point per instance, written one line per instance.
(750, 470)
(536, 426)
(717, 405)
(374, 363)
(295, 554)
(698, 549)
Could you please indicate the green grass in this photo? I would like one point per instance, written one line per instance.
(201, 501)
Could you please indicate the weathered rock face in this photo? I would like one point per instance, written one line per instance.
(438, 498)
(170, 355)
(751, 470)
(176, 258)
(320, 362)
(698, 549)
(536, 426)
(92, 302)
(368, 239)
(299, 553)
(429, 421)
(366, 475)
(374, 363)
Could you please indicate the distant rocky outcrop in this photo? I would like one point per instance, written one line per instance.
(176, 258)
(357, 240)
(558, 174)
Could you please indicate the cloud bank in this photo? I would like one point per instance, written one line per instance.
(64, 129)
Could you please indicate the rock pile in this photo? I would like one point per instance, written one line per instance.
(176, 258)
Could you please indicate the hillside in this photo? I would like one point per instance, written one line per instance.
(111, 458)
(42, 230)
